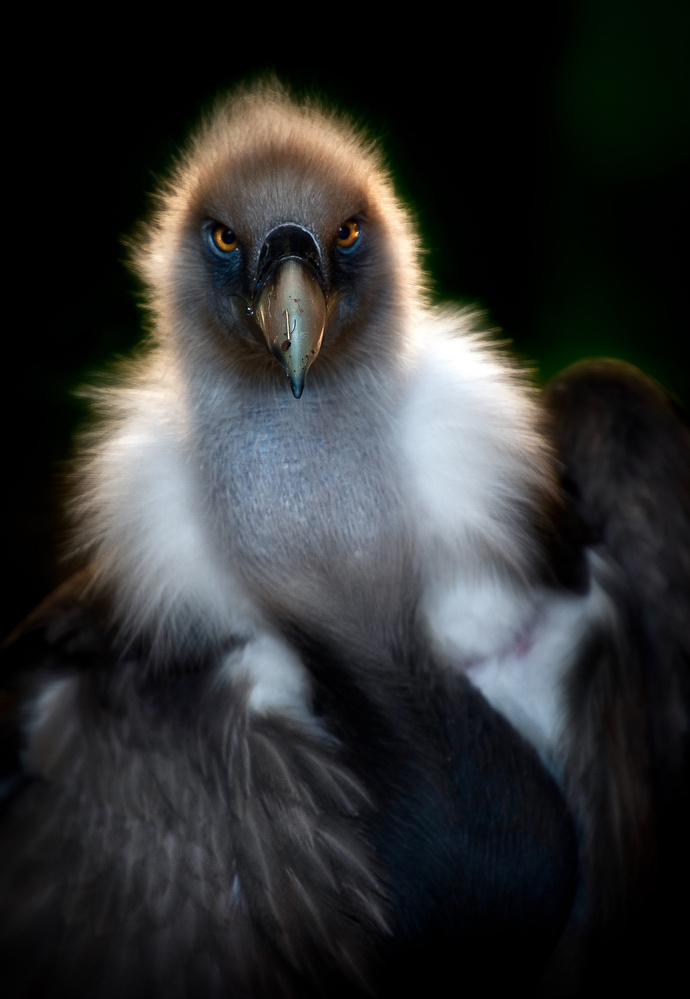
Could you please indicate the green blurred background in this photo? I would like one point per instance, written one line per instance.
(546, 159)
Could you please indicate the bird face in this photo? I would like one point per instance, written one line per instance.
(278, 240)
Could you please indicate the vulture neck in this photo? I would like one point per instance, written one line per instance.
(294, 488)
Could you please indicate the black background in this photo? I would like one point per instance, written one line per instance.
(546, 161)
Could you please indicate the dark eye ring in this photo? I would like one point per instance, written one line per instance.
(348, 234)
(224, 239)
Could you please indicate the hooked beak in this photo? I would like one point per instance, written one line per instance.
(290, 303)
(291, 312)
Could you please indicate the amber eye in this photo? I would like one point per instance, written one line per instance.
(348, 234)
(224, 239)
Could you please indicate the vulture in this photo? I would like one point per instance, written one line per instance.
(375, 673)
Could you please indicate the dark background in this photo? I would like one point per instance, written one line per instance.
(546, 160)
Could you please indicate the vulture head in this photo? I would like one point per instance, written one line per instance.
(278, 240)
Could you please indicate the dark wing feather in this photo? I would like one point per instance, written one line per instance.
(625, 450)
(170, 842)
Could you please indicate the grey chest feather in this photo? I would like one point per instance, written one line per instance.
(306, 499)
